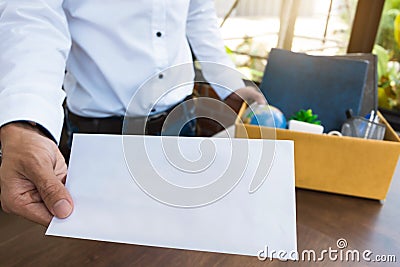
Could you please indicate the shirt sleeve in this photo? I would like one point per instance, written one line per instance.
(207, 44)
(34, 46)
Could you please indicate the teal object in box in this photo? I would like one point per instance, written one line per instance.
(265, 115)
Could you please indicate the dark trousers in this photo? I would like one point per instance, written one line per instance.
(152, 125)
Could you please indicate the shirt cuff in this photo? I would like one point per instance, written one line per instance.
(31, 107)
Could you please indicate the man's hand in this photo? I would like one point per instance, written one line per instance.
(32, 175)
(248, 94)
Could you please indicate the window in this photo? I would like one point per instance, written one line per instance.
(251, 28)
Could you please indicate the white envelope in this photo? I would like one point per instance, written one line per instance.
(109, 204)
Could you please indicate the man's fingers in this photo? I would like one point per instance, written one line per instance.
(29, 205)
(50, 187)
(36, 212)
(260, 99)
(255, 95)
(32, 161)
(32, 196)
(60, 168)
(250, 94)
(55, 196)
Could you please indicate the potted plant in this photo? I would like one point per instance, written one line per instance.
(305, 121)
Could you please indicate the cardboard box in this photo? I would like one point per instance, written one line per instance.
(344, 165)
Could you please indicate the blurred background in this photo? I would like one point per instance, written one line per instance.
(251, 28)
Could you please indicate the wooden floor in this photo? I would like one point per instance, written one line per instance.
(321, 220)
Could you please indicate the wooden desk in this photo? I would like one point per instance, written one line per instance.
(321, 220)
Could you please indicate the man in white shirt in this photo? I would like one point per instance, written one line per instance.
(109, 48)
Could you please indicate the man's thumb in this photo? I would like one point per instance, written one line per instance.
(56, 198)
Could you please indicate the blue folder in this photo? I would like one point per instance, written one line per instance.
(329, 86)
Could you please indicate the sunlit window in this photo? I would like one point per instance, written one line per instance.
(251, 28)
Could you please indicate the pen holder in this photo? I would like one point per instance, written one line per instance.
(363, 128)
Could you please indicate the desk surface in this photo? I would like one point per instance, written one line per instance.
(321, 220)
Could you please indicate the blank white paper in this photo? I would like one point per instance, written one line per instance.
(110, 206)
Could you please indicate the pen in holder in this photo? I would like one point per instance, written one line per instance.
(363, 128)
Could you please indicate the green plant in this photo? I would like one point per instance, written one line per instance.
(387, 49)
(306, 116)
(386, 34)
(389, 79)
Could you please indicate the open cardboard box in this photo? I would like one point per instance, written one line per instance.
(344, 165)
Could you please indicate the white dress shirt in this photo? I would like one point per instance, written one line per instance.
(109, 48)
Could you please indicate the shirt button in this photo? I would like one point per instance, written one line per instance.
(159, 34)
(160, 76)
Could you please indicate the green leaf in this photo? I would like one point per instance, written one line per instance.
(228, 50)
(396, 30)
(383, 59)
(306, 116)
